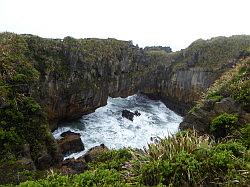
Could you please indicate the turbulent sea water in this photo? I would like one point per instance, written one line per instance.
(106, 125)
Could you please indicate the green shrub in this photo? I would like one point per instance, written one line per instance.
(223, 124)
(215, 97)
(186, 169)
(236, 148)
(150, 173)
(221, 159)
(245, 135)
(113, 159)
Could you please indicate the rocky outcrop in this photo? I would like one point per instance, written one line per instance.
(69, 133)
(77, 76)
(70, 143)
(180, 89)
(73, 166)
(200, 118)
(16, 172)
(94, 152)
(44, 161)
(130, 115)
(228, 95)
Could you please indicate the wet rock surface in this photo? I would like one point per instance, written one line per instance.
(130, 115)
(68, 133)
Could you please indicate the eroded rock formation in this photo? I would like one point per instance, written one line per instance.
(77, 76)
(70, 143)
(68, 78)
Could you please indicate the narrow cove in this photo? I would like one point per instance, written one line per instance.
(107, 126)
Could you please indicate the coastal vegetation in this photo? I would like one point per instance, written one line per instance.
(35, 72)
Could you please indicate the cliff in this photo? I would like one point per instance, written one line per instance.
(77, 76)
(184, 76)
(230, 94)
(46, 81)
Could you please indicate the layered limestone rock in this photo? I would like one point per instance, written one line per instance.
(180, 89)
(228, 95)
(65, 79)
(77, 76)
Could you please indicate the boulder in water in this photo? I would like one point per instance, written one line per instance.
(130, 115)
(137, 113)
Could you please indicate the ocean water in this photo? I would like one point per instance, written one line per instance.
(106, 125)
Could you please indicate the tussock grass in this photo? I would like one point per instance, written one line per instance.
(167, 148)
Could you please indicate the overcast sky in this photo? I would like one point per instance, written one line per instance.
(174, 23)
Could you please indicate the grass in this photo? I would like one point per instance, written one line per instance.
(185, 159)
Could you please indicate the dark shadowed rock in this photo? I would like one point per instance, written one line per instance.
(67, 133)
(209, 104)
(26, 163)
(130, 115)
(44, 161)
(137, 113)
(26, 151)
(71, 143)
(94, 152)
(73, 166)
(127, 114)
(198, 120)
(16, 172)
(227, 105)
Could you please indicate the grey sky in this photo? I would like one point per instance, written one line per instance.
(173, 23)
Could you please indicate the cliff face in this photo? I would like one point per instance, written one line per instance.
(228, 95)
(77, 76)
(182, 77)
(65, 79)
(180, 89)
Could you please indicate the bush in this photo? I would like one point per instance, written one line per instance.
(214, 97)
(236, 148)
(221, 159)
(223, 124)
(113, 159)
(186, 169)
(87, 179)
(150, 173)
(245, 135)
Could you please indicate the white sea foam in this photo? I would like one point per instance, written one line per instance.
(106, 125)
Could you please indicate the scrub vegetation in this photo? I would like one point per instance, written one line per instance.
(188, 158)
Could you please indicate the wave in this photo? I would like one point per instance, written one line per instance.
(106, 125)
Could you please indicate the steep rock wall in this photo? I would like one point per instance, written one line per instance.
(229, 94)
(77, 76)
(180, 89)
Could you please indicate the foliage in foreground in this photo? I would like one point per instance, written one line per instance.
(183, 159)
(20, 112)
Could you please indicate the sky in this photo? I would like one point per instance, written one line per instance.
(174, 23)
